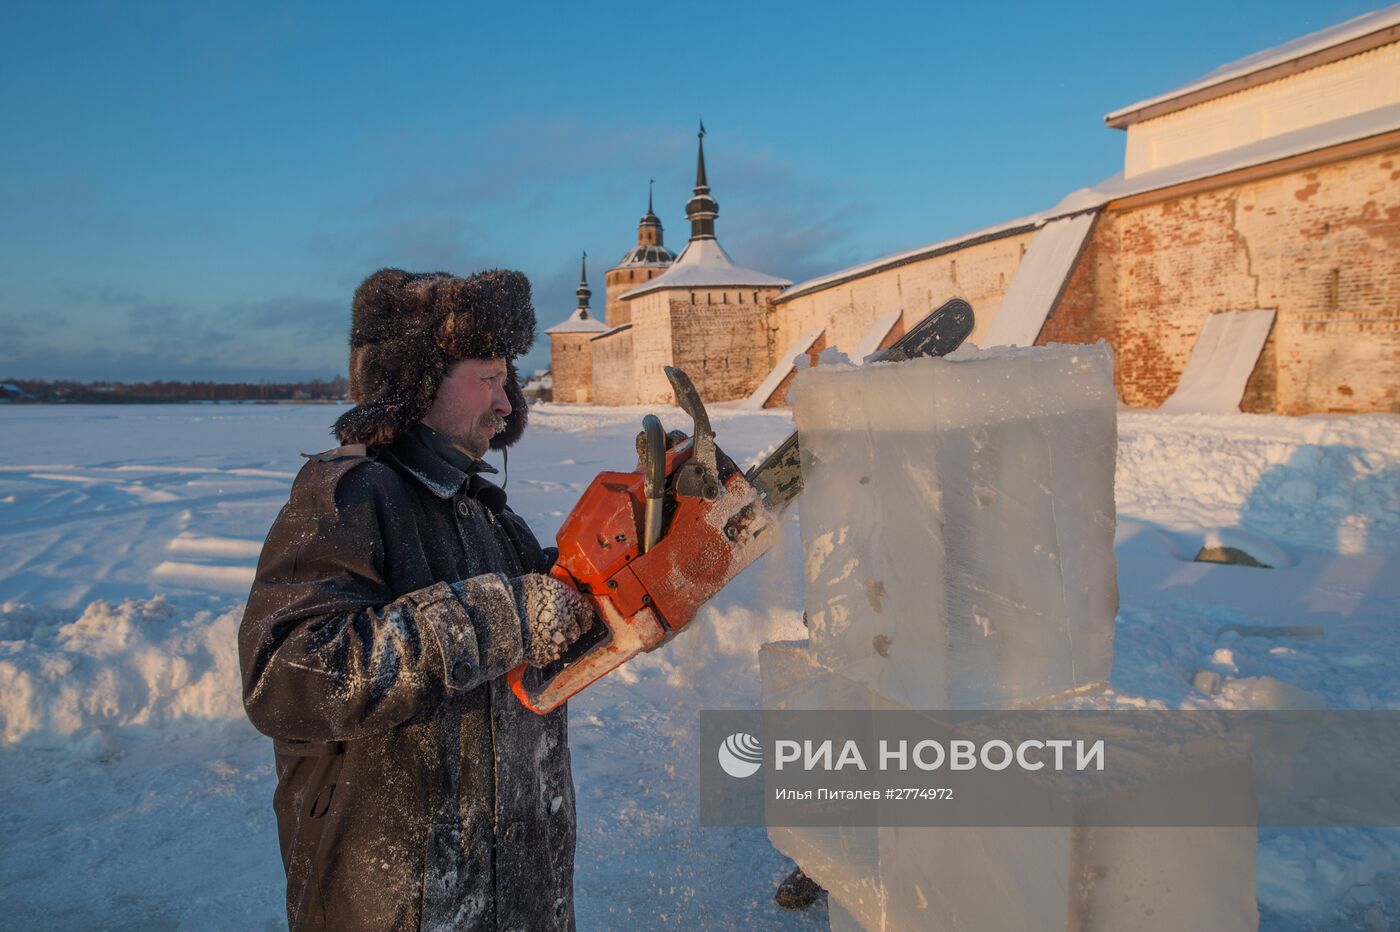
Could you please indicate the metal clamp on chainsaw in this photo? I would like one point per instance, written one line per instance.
(650, 547)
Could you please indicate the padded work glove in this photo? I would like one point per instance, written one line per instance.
(555, 616)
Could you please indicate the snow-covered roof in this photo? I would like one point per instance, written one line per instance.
(580, 321)
(646, 256)
(703, 263)
(607, 333)
(1330, 44)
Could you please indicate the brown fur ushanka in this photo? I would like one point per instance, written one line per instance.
(408, 329)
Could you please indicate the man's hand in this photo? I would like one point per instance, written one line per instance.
(555, 616)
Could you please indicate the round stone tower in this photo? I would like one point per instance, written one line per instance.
(643, 262)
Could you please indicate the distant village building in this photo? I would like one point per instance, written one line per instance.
(539, 386)
(1270, 185)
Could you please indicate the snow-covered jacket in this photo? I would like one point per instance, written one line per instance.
(414, 790)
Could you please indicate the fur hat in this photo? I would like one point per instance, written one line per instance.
(407, 330)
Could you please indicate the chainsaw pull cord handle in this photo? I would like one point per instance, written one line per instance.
(651, 451)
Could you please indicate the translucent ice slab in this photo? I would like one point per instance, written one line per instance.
(1076, 878)
(957, 523)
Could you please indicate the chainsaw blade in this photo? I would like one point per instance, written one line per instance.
(778, 478)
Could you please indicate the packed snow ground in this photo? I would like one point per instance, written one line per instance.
(136, 795)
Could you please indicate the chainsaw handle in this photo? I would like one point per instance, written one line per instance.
(626, 638)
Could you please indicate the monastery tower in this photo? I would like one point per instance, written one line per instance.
(704, 314)
(648, 259)
(568, 346)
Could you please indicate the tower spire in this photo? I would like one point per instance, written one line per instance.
(701, 210)
(649, 230)
(583, 291)
(700, 181)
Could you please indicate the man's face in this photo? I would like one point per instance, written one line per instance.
(471, 405)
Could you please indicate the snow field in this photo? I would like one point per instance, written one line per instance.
(138, 795)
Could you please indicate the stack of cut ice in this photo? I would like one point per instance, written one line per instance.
(958, 523)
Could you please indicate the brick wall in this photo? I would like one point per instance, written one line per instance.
(651, 342)
(1320, 245)
(613, 361)
(719, 339)
(979, 273)
(617, 312)
(571, 361)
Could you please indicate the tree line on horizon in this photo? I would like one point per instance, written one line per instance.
(113, 392)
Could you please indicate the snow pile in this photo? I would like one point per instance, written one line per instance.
(133, 667)
(1328, 484)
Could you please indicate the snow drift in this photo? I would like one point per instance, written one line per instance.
(137, 665)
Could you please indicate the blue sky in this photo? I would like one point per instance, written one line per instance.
(194, 190)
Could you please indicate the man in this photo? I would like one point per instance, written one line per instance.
(394, 591)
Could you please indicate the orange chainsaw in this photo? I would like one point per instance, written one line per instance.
(651, 546)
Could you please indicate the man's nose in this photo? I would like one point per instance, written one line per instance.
(500, 402)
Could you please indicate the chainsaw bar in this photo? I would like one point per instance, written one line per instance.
(778, 478)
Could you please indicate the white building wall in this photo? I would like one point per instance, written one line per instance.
(1329, 92)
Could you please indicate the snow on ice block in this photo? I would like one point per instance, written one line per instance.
(957, 523)
(1078, 879)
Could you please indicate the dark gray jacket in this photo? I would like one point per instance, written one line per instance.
(414, 791)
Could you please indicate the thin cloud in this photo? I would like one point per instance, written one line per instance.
(100, 295)
(312, 318)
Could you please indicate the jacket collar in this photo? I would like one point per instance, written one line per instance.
(425, 462)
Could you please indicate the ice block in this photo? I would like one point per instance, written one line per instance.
(1083, 878)
(957, 523)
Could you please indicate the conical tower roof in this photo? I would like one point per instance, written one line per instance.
(581, 320)
(703, 263)
(650, 251)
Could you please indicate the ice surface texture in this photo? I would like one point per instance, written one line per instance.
(958, 523)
